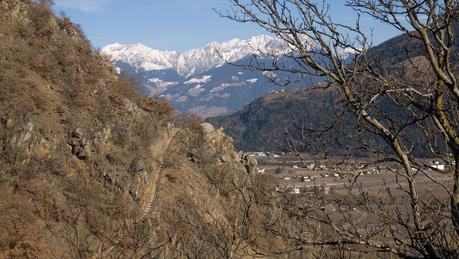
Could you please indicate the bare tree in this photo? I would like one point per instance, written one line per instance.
(46, 3)
(389, 100)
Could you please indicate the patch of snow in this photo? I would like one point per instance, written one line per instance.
(195, 91)
(160, 83)
(252, 81)
(269, 74)
(166, 96)
(202, 80)
(219, 88)
(348, 54)
(182, 99)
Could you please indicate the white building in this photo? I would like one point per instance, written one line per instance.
(438, 165)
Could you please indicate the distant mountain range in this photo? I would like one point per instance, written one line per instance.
(267, 117)
(195, 61)
(201, 81)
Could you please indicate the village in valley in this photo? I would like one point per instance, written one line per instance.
(304, 175)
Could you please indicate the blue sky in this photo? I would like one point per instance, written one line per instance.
(174, 24)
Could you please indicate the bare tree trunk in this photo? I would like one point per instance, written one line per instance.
(455, 197)
(427, 93)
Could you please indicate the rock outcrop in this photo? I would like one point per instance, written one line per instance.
(89, 167)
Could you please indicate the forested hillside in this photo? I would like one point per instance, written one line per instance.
(274, 115)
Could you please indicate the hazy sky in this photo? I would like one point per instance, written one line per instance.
(174, 24)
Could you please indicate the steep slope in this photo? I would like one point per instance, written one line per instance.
(268, 117)
(89, 168)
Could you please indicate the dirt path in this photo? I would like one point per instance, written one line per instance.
(153, 198)
(150, 205)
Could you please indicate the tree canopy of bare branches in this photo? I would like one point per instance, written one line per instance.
(422, 88)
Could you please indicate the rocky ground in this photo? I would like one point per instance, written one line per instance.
(89, 168)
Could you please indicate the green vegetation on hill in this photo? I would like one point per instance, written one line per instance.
(270, 122)
(261, 125)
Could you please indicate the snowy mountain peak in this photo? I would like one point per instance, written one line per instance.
(141, 57)
(195, 61)
(200, 81)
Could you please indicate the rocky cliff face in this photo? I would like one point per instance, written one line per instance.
(89, 168)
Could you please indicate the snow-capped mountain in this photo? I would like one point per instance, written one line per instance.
(141, 57)
(201, 81)
(195, 61)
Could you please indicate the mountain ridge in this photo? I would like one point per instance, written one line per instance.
(193, 61)
(201, 81)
